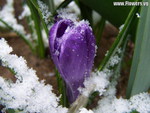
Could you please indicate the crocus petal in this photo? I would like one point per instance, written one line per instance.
(72, 48)
(73, 64)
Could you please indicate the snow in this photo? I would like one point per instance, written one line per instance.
(26, 12)
(7, 15)
(45, 38)
(27, 93)
(121, 27)
(114, 60)
(138, 15)
(72, 6)
(111, 104)
(97, 82)
(139, 102)
(66, 13)
(31, 95)
(4, 48)
(45, 11)
(84, 110)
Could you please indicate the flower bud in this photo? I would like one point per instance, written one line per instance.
(72, 47)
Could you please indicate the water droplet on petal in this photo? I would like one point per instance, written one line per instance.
(56, 53)
(93, 44)
(68, 28)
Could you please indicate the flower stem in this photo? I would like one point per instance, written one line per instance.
(62, 90)
(120, 38)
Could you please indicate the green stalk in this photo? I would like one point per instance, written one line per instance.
(120, 38)
(51, 5)
(139, 80)
(86, 12)
(114, 14)
(34, 3)
(99, 28)
(62, 5)
(13, 111)
(35, 17)
(62, 90)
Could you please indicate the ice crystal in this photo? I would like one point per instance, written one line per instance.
(45, 11)
(97, 82)
(26, 12)
(111, 104)
(7, 15)
(121, 27)
(45, 39)
(114, 60)
(72, 6)
(138, 15)
(66, 13)
(27, 94)
(106, 53)
(84, 110)
(140, 102)
(4, 49)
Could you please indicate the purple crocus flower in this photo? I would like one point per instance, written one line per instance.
(72, 47)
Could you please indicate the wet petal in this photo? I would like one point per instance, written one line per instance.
(72, 48)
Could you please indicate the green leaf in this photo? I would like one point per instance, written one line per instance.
(86, 12)
(35, 17)
(13, 111)
(139, 80)
(99, 27)
(62, 5)
(50, 4)
(34, 2)
(114, 14)
(134, 111)
(121, 37)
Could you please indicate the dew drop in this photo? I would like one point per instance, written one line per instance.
(82, 39)
(56, 53)
(93, 44)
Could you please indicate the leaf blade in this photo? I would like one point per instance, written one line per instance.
(139, 80)
(115, 14)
